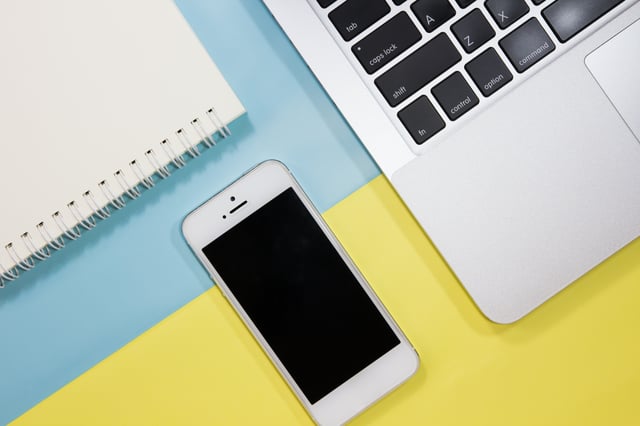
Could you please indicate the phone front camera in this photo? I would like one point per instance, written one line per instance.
(224, 216)
(233, 198)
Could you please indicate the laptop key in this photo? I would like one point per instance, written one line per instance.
(390, 40)
(455, 96)
(418, 69)
(354, 16)
(433, 13)
(506, 12)
(326, 3)
(464, 3)
(489, 72)
(473, 31)
(568, 17)
(527, 45)
(421, 119)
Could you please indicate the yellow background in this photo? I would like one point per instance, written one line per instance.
(574, 361)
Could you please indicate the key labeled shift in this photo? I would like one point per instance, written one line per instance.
(418, 69)
(387, 42)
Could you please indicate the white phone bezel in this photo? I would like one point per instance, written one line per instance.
(257, 187)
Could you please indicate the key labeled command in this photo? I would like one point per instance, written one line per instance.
(527, 45)
(386, 43)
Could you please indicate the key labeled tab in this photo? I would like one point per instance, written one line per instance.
(354, 16)
(387, 42)
(421, 120)
(418, 69)
(433, 13)
(527, 45)
(455, 96)
(489, 72)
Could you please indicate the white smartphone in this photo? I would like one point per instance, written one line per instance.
(298, 292)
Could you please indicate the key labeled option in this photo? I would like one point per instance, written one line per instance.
(473, 31)
(455, 96)
(387, 42)
(433, 13)
(489, 72)
(421, 120)
(418, 69)
(527, 45)
(354, 16)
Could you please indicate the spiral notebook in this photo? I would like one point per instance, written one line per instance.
(98, 101)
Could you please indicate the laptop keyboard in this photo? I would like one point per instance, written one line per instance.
(443, 38)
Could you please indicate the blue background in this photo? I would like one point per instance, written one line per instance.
(134, 269)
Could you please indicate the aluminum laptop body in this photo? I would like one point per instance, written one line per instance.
(519, 157)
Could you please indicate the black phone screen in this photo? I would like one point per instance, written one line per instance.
(301, 295)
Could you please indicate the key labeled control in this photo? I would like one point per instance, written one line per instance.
(527, 45)
(455, 96)
(489, 72)
(390, 40)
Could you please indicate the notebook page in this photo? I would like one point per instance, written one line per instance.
(86, 87)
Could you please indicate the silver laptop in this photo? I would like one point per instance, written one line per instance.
(509, 127)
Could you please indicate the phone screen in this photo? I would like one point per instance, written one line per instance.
(301, 295)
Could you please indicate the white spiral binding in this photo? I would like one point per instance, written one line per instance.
(24, 264)
(72, 233)
(177, 160)
(39, 253)
(54, 243)
(161, 170)
(132, 191)
(147, 181)
(202, 134)
(88, 222)
(217, 123)
(116, 202)
(100, 212)
(186, 143)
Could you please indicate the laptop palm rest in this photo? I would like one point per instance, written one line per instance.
(562, 192)
(616, 67)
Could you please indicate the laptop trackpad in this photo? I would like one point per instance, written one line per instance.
(616, 67)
